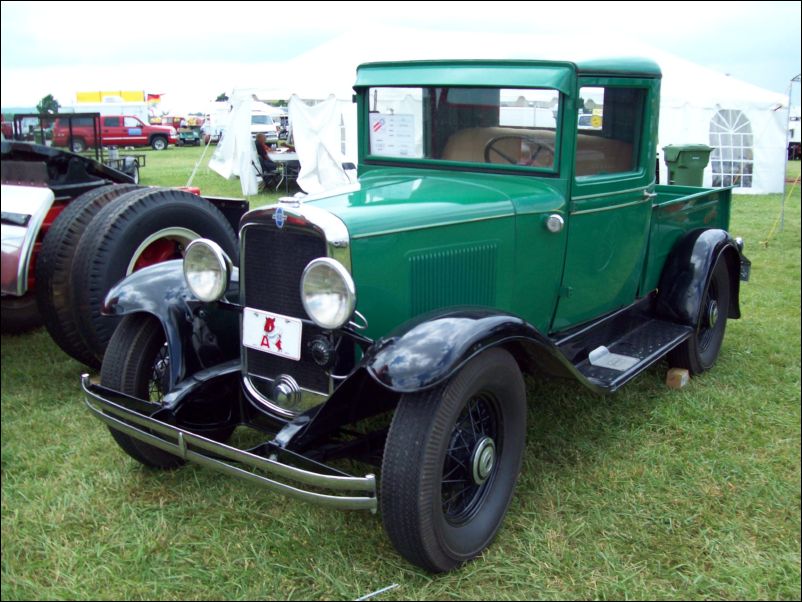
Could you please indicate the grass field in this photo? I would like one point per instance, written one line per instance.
(647, 494)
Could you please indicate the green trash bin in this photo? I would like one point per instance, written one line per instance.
(686, 163)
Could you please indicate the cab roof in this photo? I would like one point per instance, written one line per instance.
(513, 73)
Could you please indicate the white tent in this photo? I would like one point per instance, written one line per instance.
(745, 124)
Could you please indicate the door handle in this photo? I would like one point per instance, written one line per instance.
(649, 195)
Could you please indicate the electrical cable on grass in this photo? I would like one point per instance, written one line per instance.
(203, 154)
(765, 243)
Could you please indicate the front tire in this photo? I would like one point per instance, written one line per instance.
(451, 460)
(137, 363)
(158, 143)
(700, 352)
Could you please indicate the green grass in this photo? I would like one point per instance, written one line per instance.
(647, 494)
(174, 167)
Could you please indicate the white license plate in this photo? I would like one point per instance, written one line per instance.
(272, 333)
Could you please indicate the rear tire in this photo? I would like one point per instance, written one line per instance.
(77, 145)
(164, 221)
(700, 352)
(451, 460)
(136, 363)
(54, 270)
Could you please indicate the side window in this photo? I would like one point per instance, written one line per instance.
(132, 122)
(111, 122)
(610, 124)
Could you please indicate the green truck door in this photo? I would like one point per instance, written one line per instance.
(610, 208)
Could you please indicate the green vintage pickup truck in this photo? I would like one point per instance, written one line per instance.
(492, 233)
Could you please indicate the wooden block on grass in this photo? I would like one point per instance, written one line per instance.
(677, 378)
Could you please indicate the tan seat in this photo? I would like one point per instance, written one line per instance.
(469, 145)
(595, 155)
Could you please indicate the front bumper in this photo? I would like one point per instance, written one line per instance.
(352, 493)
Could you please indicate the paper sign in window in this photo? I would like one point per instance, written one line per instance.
(392, 135)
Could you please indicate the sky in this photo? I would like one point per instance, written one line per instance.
(190, 52)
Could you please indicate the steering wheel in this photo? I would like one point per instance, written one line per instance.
(535, 146)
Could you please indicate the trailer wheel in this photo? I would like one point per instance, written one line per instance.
(54, 267)
(19, 314)
(145, 227)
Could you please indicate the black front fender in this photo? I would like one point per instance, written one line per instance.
(428, 350)
(198, 334)
(687, 272)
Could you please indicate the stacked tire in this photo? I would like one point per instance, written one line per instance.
(103, 236)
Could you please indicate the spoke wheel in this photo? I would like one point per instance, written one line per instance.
(470, 459)
(137, 363)
(700, 352)
(451, 460)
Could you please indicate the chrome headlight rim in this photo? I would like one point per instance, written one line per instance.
(343, 315)
(202, 249)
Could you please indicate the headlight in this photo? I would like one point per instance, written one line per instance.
(207, 269)
(328, 293)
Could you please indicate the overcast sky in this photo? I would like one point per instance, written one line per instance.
(190, 51)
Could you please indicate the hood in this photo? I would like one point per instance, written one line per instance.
(394, 200)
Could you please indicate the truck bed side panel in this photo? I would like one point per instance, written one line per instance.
(676, 211)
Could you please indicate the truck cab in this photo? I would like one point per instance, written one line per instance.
(491, 234)
(115, 130)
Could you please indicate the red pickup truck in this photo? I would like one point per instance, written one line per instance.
(79, 133)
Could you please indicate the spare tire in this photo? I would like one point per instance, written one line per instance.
(54, 279)
(143, 228)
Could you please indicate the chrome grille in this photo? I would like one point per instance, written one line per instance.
(272, 262)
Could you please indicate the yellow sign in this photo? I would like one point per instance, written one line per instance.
(596, 121)
(101, 95)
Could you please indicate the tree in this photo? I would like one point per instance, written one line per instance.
(48, 104)
(222, 97)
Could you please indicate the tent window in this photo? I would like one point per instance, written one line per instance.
(733, 156)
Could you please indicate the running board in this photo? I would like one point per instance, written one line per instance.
(613, 364)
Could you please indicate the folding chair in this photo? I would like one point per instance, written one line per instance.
(268, 180)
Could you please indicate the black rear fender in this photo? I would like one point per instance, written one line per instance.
(687, 272)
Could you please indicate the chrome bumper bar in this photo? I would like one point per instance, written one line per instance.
(198, 449)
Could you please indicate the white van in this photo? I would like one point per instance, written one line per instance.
(262, 122)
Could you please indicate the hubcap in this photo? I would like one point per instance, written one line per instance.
(484, 458)
(712, 313)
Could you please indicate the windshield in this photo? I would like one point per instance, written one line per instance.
(261, 120)
(508, 128)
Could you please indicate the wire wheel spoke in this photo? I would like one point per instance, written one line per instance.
(461, 494)
(158, 375)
